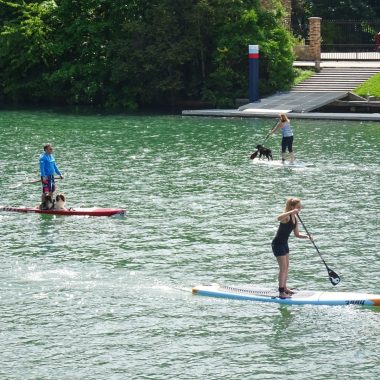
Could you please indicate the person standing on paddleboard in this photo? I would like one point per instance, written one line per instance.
(287, 136)
(48, 169)
(280, 248)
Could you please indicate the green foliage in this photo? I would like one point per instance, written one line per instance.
(371, 87)
(301, 11)
(228, 79)
(119, 54)
(278, 60)
(24, 47)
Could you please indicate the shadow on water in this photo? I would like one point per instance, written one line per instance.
(45, 234)
(282, 322)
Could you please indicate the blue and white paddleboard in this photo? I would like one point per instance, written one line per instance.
(286, 164)
(299, 298)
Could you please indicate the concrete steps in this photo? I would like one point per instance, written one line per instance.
(336, 79)
(331, 85)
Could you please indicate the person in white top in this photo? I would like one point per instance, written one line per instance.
(287, 136)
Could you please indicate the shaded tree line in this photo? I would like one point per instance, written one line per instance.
(138, 53)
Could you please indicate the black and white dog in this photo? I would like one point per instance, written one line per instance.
(47, 202)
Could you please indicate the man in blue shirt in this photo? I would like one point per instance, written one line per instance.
(48, 168)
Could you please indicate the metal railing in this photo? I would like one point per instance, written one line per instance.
(365, 52)
(350, 31)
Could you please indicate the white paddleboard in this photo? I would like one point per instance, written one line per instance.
(299, 298)
(296, 164)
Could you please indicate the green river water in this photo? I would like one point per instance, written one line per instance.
(110, 298)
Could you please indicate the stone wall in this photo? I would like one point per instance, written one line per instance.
(315, 38)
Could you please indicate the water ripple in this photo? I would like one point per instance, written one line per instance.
(110, 298)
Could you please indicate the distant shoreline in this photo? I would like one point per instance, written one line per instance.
(295, 115)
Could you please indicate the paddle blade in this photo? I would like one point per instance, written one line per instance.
(334, 277)
(15, 186)
(254, 154)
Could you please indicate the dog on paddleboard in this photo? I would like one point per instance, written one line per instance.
(264, 152)
(46, 202)
(60, 201)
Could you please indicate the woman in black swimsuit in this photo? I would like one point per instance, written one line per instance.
(280, 248)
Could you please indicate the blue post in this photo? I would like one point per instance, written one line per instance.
(253, 55)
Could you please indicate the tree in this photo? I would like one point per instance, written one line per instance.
(138, 53)
(301, 11)
(24, 48)
(80, 40)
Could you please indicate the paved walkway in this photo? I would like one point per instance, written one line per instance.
(294, 101)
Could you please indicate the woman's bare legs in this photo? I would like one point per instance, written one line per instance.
(283, 263)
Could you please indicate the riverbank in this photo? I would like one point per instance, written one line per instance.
(274, 113)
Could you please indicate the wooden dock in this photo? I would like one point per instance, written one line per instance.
(308, 100)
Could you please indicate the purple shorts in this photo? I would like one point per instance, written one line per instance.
(48, 186)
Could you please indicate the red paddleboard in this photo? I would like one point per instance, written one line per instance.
(90, 211)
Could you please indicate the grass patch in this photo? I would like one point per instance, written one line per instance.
(371, 87)
(299, 76)
(302, 75)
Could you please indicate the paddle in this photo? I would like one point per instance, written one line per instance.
(28, 182)
(254, 154)
(334, 277)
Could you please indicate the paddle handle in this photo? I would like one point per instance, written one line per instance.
(308, 234)
(266, 137)
(28, 182)
(270, 132)
(334, 277)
